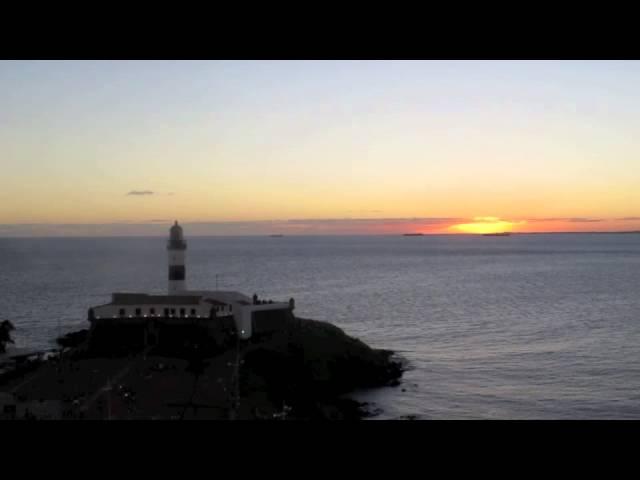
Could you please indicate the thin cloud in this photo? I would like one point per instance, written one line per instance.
(375, 221)
(295, 226)
(584, 220)
(158, 227)
(566, 219)
(140, 192)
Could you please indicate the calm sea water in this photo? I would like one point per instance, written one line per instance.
(527, 326)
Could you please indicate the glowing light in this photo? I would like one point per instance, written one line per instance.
(482, 225)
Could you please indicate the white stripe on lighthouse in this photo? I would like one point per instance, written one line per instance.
(176, 257)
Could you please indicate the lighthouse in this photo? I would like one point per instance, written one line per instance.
(177, 248)
(182, 307)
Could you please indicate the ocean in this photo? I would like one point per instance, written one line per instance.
(543, 326)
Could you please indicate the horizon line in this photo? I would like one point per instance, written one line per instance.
(270, 235)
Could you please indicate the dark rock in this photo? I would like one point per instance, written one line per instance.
(73, 339)
(410, 417)
(304, 366)
(310, 361)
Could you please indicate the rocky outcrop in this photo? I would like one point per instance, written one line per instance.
(73, 339)
(304, 367)
(311, 364)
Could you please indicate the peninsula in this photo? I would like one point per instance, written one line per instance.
(197, 355)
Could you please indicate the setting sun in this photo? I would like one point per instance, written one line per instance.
(482, 225)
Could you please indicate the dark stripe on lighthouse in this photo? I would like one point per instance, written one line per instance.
(176, 272)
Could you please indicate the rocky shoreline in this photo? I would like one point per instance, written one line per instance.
(303, 370)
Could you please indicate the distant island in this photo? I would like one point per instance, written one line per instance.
(621, 232)
(505, 234)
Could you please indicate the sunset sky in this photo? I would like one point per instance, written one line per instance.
(318, 147)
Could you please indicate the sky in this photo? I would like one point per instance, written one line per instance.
(318, 147)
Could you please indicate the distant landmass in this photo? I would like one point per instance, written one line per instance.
(577, 233)
(505, 234)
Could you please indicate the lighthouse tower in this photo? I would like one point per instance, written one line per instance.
(176, 248)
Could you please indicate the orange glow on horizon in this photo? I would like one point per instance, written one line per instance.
(483, 225)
